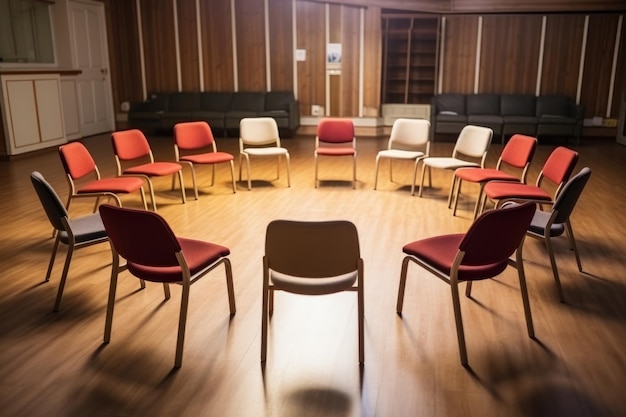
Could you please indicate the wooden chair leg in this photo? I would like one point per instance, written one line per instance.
(182, 323)
(402, 285)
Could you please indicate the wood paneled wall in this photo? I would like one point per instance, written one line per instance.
(209, 45)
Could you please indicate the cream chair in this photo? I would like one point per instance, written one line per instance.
(259, 138)
(473, 143)
(409, 141)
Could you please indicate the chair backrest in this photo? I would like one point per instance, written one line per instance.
(139, 236)
(312, 249)
(496, 234)
(130, 144)
(409, 134)
(519, 150)
(559, 165)
(52, 204)
(473, 141)
(335, 130)
(193, 135)
(76, 159)
(567, 198)
(259, 131)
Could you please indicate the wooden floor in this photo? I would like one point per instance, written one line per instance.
(54, 364)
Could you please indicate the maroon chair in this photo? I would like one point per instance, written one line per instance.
(195, 145)
(335, 137)
(517, 154)
(153, 253)
(84, 178)
(132, 147)
(481, 253)
(556, 170)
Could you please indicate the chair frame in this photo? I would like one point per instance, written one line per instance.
(338, 143)
(65, 233)
(461, 147)
(121, 171)
(399, 148)
(269, 288)
(453, 280)
(261, 144)
(187, 280)
(182, 152)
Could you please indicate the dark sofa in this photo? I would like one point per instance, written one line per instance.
(222, 110)
(507, 114)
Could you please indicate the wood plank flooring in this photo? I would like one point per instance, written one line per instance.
(54, 364)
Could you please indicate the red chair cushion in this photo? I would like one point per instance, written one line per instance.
(208, 158)
(335, 151)
(113, 185)
(478, 175)
(440, 251)
(155, 169)
(515, 191)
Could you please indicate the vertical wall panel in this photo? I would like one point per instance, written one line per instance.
(561, 57)
(250, 25)
(598, 63)
(372, 53)
(217, 41)
(350, 40)
(459, 54)
(188, 44)
(159, 45)
(620, 73)
(310, 37)
(124, 58)
(504, 66)
(281, 44)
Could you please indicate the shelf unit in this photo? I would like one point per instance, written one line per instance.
(410, 51)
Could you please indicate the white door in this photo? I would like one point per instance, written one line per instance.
(90, 55)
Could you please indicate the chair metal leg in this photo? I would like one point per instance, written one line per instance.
(555, 270)
(264, 313)
(419, 194)
(316, 163)
(182, 186)
(66, 268)
(458, 321)
(417, 161)
(457, 192)
(232, 175)
(524, 290)
(354, 172)
(111, 303)
(230, 286)
(182, 323)
(479, 199)
(572, 241)
(361, 313)
(287, 162)
(52, 257)
(166, 291)
(452, 183)
(402, 285)
(376, 171)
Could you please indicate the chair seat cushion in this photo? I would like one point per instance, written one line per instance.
(154, 169)
(439, 252)
(313, 286)
(448, 163)
(540, 222)
(509, 190)
(478, 175)
(208, 158)
(198, 254)
(86, 229)
(335, 151)
(113, 185)
(269, 151)
(400, 154)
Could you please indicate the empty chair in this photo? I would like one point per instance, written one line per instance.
(556, 170)
(259, 138)
(409, 141)
(154, 253)
(548, 224)
(73, 232)
(517, 154)
(84, 178)
(131, 147)
(311, 258)
(473, 142)
(335, 137)
(194, 144)
(481, 253)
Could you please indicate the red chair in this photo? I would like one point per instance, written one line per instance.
(556, 170)
(84, 178)
(481, 253)
(131, 146)
(517, 154)
(195, 145)
(335, 137)
(153, 253)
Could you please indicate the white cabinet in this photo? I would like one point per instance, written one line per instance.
(391, 112)
(32, 111)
